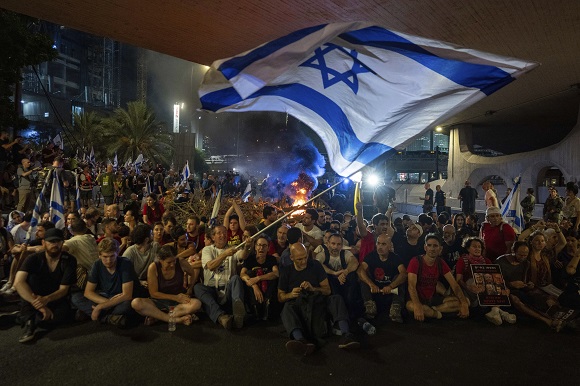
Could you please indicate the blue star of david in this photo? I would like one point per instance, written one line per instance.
(330, 76)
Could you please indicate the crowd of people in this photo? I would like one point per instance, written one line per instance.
(134, 262)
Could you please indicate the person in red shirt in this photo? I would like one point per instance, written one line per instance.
(381, 223)
(153, 210)
(235, 224)
(423, 274)
(497, 235)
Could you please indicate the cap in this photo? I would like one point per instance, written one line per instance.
(418, 227)
(54, 235)
(492, 210)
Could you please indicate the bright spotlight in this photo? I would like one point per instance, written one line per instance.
(373, 180)
(438, 129)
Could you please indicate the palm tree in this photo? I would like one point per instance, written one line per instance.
(136, 131)
(87, 132)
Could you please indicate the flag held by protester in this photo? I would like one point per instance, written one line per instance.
(362, 88)
(185, 177)
(511, 210)
(56, 210)
(216, 209)
(58, 142)
(247, 192)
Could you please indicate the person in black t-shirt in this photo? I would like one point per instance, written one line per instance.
(383, 277)
(43, 282)
(303, 288)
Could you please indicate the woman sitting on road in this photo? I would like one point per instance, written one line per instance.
(165, 283)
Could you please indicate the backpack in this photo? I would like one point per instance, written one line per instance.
(439, 266)
(327, 257)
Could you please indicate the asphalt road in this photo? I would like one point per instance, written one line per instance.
(445, 352)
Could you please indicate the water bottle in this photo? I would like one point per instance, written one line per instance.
(171, 324)
(367, 327)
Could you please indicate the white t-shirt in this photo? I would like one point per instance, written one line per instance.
(334, 261)
(315, 233)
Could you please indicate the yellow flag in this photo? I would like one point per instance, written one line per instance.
(357, 196)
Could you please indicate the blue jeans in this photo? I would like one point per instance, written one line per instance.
(86, 306)
(209, 297)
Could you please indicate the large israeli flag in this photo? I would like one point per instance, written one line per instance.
(364, 89)
(511, 210)
(247, 192)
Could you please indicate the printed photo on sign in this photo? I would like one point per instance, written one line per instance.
(489, 278)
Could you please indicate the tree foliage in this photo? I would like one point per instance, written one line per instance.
(21, 46)
(135, 130)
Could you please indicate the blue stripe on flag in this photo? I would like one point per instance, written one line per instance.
(486, 78)
(351, 148)
(234, 66)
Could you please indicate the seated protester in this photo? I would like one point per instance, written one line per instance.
(497, 235)
(269, 216)
(194, 234)
(312, 235)
(423, 275)
(110, 229)
(83, 247)
(461, 229)
(152, 210)
(130, 219)
(304, 290)
(335, 228)
(381, 225)
(260, 273)
(109, 290)
(235, 224)
(571, 296)
(142, 252)
(94, 227)
(294, 237)
(411, 245)
(165, 279)
(185, 250)
(69, 218)
(427, 222)
(158, 232)
(222, 289)
(524, 295)
(14, 218)
(20, 231)
(281, 243)
(560, 275)
(324, 246)
(546, 241)
(464, 277)
(114, 212)
(169, 222)
(340, 266)
(43, 282)
(452, 246)
(381, 273)
(21, 251)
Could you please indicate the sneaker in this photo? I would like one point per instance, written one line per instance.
(29, 329)
(117, 320)
(349, 342)
(370, 309)
(226, 321)
(507, 317)
(6, 287)
(239, 313)
(300, 347)
(494, 316)
(395, 313)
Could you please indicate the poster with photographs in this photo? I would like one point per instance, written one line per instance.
(488, 277)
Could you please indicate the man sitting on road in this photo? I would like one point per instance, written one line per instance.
(423, 274)
(303, 288)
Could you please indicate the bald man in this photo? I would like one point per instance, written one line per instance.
(304, 290)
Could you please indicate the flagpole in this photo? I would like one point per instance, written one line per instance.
(292, 211)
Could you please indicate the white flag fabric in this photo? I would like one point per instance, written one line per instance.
(58, 142)
(115, 162)
(138, 162)
(57, 203)
(247, 192)
(185, 176)
(362, 88)
(92, 159)
(511, 209)
(216, 209)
